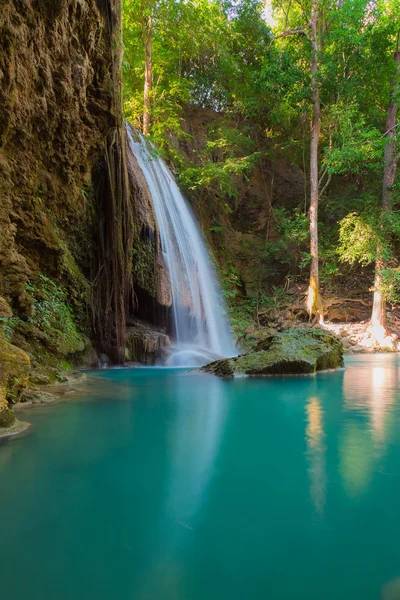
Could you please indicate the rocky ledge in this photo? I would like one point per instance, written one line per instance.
(292, 352)
(145, 343)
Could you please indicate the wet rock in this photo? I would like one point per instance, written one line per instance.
(39, 378)
(14, 377)
(74, 377)
(291, 352)
(89, 357)
(16, 427)
(38, 397)
(104, 361)
(358, 349)
(145, 343)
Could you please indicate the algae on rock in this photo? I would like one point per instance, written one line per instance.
(292, 352)
(14, 377)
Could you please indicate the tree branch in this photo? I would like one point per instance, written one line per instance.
(296, 31)
(324, 172)
(326, 185)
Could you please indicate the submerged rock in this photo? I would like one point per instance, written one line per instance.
(391, 590)
(291, 352)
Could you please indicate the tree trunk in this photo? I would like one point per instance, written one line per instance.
(378, 318)
(314, 300)
(148, 74)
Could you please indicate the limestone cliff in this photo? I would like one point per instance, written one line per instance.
(57, 106)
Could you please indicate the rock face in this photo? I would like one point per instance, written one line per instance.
(291, 352)
(56, 110)
(145, 344)
(14, 377)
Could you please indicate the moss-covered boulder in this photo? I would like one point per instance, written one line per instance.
(14, 377)
(292, 352)
(7, 417)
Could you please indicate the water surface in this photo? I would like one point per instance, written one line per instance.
(162, 484)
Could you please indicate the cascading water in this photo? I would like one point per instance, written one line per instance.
(201, 328)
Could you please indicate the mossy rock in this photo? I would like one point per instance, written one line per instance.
(292, 352)
(5, 310)
(7, 417)
(33, 396)
(14, 377)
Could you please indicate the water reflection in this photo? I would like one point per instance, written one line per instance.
(194, 437)
(316, 453)
(356, 458)
(369, 392)
(195, 429)
(372, 389)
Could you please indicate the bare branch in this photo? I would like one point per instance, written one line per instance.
(326, 185)
(324, 172)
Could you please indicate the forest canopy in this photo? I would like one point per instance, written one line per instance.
(320, 80)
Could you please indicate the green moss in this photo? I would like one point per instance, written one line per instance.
(72, 272)
(52, 325)
(14, 372)
(143, 266)
(293, 352)
(7, 417)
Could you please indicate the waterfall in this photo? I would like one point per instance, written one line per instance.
(201, 328)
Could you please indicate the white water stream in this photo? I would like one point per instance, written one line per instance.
(201, 328)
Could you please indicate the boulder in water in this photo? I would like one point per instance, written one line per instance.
(292, 352)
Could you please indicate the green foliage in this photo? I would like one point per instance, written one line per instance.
(242, 317)
(361, 236)
(51, 315)
(210, 53)
(291, 247)
(353, 145)
(229, 153)
(231, 282)
(390, 285)
(222, 55)
(358, 239)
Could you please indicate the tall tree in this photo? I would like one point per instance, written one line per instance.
(139, 19)
(391, 155)
(310, 29)
(147, 33)
(314, 299)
